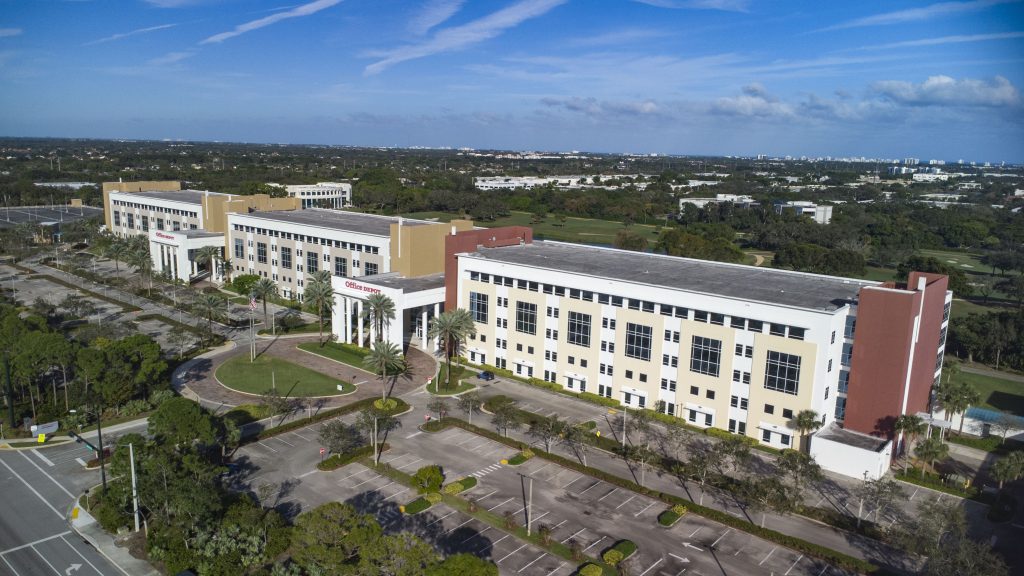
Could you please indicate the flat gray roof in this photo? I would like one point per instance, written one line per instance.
(395, 280)
(863, 441)
(185, 196)
(198, 233)
(371, 224)
(795, 289)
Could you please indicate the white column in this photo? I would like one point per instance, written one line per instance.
(373, 332)
(347, 311)
(359, 319)
(437, 312)
(423, 326)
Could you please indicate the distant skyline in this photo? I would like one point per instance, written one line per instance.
(703, 77)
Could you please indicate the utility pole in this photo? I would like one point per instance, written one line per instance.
(529, 507)
(135, 490)
(99, 439)
(625, 412)
(10, 392)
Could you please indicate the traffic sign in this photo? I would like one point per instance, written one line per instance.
(323, 451)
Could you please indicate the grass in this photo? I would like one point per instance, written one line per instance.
(457, 386)
(934, 481)
(416, 506)
(246, 413)
(880, 274)
(962, 308)
(668, 518)
(996, 393)
(963, 260)
(292, 380)
(579, 230)
(310, 328)
(344, 353)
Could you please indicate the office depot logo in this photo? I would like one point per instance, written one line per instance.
(165, 236)
(361, 288)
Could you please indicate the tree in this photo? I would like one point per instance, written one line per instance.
(1008, 468)
(766, 493)
(911, 426)
(209, 255)
(546, 430)
(630, 240)
(340, 438)
(263, 289)
(736, 451)
(209, 306)
(329, 536)
(438, 405)
(930, 450)
(961, 556)
(402, 554)
(428, 479)
(1013, 287)
(800, 467)
(704, 458)
(935, 520)
(463, 565)
(879, 495)
(505, 418)
(385, 359)
(380, 311)
(805, 422)
(1003, 424)
(181, 421)
(452, 328)
(469, 403)
(320, 297)
(574, 437)
(956, 397)
(116, 250)
(376, 423)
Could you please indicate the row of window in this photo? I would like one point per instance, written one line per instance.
(129, 220)
(307, 239)
(633, 304)
(157, 209)
(312, 259)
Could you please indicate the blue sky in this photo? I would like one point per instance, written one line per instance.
(890, 79)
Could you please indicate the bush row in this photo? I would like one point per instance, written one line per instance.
(840, 560)
(335, 461)
(401, 406)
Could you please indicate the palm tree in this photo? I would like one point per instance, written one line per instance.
(209, 305)
(804, 422)
(143, 265)
(319, 296)
(322, 276)
(117, 250)
(956, 397)
(263, 289)
(930, 450)
(380, 311)
(910, 426)
(209, 255)
(385, 359)
(1008, 468)
(452, 328)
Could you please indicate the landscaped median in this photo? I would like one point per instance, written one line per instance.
(344, 353)
(335, 461)
(619, 552)
(259, 376)
(669, 517)
(400, 406)
(840, 560)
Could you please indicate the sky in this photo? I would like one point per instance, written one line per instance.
(888, 79)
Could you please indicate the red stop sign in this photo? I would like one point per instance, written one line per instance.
(322, 451)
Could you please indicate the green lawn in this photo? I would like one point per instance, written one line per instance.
(997, 393)
(880, 274)
(311, 328)
(580, 230)
(962, 308)
(344, 353)
(291, 379)
(962, 260)
(458, 373)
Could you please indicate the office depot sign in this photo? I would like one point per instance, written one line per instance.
(165, 236)
(361, 287)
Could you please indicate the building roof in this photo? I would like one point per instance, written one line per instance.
(768, 285)
(398, 282)
(371, 224)
(835, 433)
(197, 233)
(184, 196)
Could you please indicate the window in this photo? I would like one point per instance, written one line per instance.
(787, 413)
(312, 262)
(708, 419)
(732, 425)
(766, 435)
(552, 312)
(643, 377)
(502, 302)
(579, 329)
(638, 341)
(369, 269)
(844, 381)
(755, 325)
(117, 218)
(782, 372)
(784, 438)
(668, 360)
(667, 384)
(851, 325)
(159, 223)
(796, 333)
(705, 355)
(829, 364)
(608, 323)
(769, 409)
(261, 252)
(549, 355)
(340, 266)
(526, 317)
(710, 394)
(606, 369)
(572, 361)
(737, 322)
(131, 220)
(478, 307)
(145, 223)
(841, 408)
(671, 336)
(847, 354)
(583, 364)
(551, 334)
(529, 349)
(777, 329)
(748, 351)
(718, 319)
(734, 401)
(694, 391)
(739, 349)
(743, 403)
(519, 347)
(833, 337)
(239, 248)
(176, 226)
(286, 257)
(605, 391)
(607, 346)
(700, 316)
(629, 374)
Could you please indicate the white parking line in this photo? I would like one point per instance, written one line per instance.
(475, 534)
(572, 481)
(397, 494)
(559, 567)
(371, 479)
(45, 473)
(30, 544)
(592, 486)
(537, 471)
(610, 492)
(824, 569)
(303, 475)
(595, 543)
(439, 519)
(768, 556)
(660, 560)
(86, 560)
(555, 527)
(794, 565)
(626, 502)
(531, 563)
(459, 526)
(916, 490)
(497, 505)
(43, 458)
(541, 516)
(402, 467)
(491, 544)
(352, 475)
(486, 495)
(301, 436)
(279, 439)
(694, 533)
(574, 535)
(264, 445)
(715, 543)
(511, 553)
(80, 461)
(52, 567)
(644, 510)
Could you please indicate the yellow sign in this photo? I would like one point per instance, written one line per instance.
(598, 433)
(41, 439)
(74, 513)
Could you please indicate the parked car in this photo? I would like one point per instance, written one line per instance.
(486, 375)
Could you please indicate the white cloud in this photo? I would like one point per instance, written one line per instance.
(433, 13)
(754, 102)
(725, 5)
(946, 91)
(8, 32)
(957, 39)
(618, 37)
(304, 10)
(918, 14)
(458, 37)
(605, 109)
(136, 32)
(171, 58)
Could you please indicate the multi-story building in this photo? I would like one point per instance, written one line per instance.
(322, 194)
(720, 345)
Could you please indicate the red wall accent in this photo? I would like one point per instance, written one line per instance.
(467, 241)
(882, 353)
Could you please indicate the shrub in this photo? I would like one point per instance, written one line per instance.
(416, 506)
(468, 482)
(668, 517)
(134, 407)
(626, 547)
(528, 453)
(336, 461)
(612, 557)
(157, 397)
(454, 488)
(428, 479)
(390, 404)
(433, 498)
(680, 510)
(590, 569)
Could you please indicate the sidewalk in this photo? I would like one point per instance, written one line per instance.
(88, 528)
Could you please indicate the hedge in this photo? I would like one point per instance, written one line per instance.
(668, 517)
(625, 548)
(840, 560)
(401, 406)
(335, 461)
(416, 506)
(460, 485)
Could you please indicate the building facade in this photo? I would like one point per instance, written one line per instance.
(322, 194)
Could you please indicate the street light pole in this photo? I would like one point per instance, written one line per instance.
(99, 439)
(529, 507)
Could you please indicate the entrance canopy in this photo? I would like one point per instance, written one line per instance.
(175, 251)
(416, 299)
